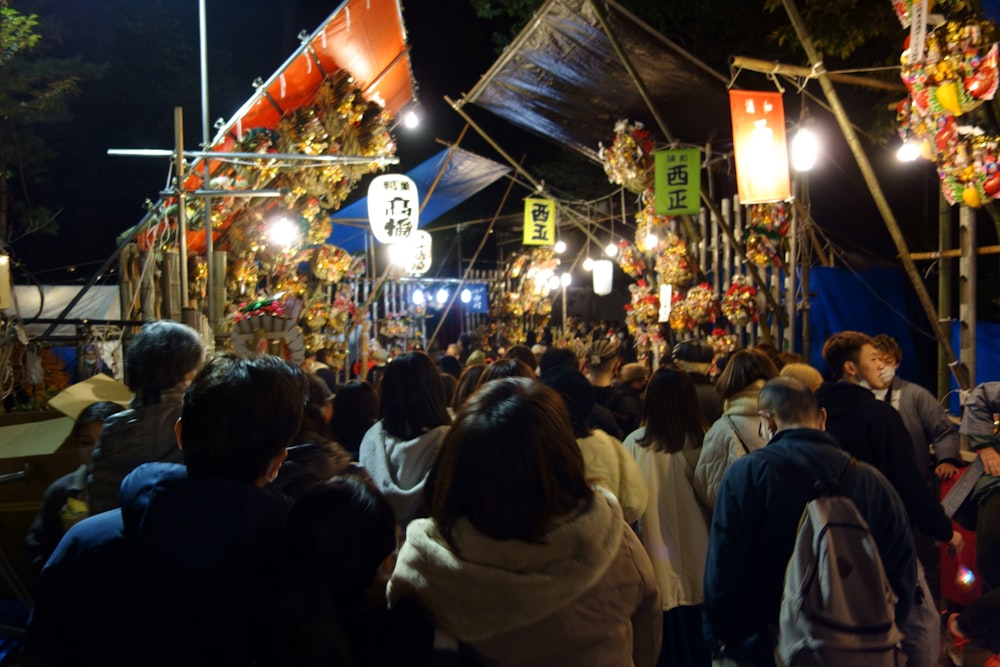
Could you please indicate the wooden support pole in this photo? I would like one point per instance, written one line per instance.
(967, 293)
(772, 67)
(868, 172)
(944, 289)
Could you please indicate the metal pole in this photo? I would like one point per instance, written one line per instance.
(967, 293)
(180, 174)
(961, 376)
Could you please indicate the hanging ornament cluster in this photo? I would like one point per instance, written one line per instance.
(722, 342)
(680, 319)
(673, 263)
(739, 305)
(628, 161)
(650, 229)
(767, 227)
(642, 319)
(521, 302)
(396, 325)
(630, 260)
(955, 72)
(701, 303)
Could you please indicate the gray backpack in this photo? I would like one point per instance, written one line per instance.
(838, 607)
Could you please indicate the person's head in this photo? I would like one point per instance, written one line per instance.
(804, 373)
(557, 356)
(239, 415)
(578, 393)
(693, 356)
(522, 353)
(162, 355)
(786, 403)
(512, 440)
(475, 358)
(670, 411)
(88, 425)
(411, 396)
(355, 409)
(634, 374)
(323, 356)
(319, 403)
(453, 350)
(852, 357)
(380, 356)
(450, 365)
(743, 368)
(467, 384)
(771, 352)
(888, 347)
(506, 368)
(602, 360)
(449, 383)
(341, 537)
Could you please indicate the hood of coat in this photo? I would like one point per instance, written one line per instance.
(198, 523)
(744, 402)
(483, 587)
(802, 449)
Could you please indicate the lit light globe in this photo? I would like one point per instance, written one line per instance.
(560, 247)
(283, 233)
(908, 152)
(652, 240)
(805, 148)
(466, 295)
(410, 120)
(565, 279)
(402, 254)
(611, 250)
(418, 298)
(553, 282)
(441, 297)
(588, 264)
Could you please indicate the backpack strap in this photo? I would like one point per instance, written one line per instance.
(736, 432)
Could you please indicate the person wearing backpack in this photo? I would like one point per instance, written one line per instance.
(757, 514)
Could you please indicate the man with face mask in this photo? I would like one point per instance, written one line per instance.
(925, 419)
(872, 431)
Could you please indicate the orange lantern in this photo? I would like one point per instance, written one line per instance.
(760, 146)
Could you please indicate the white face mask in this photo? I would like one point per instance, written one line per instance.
(887, 374)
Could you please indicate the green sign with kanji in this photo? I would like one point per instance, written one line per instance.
(677, 181)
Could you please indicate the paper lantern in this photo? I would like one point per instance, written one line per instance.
(604, 273)
(760, 146)
(393, 207)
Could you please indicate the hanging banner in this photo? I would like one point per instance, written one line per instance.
(760, 147)
(393, 207)
(422, 245)
(677, 181)
(604, 277)
(539, 221)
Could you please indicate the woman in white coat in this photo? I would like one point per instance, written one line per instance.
(674, 524)
(736, 432)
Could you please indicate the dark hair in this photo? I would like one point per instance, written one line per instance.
(506, 368)
(522, 353)
(843, 347)
(512, 441)
(450, 365)
(339, 532)
(670, 411)
(449, 383)
(743, 368)
(411, 396)
(467, 384)
(788, 400)
(355, 409)
(886, 344)
(323, 355)
(771, 352)
(558, 356)
(97, 412)
(576, 391)
(159, 357)
(239, 414)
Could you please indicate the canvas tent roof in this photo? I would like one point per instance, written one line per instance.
(465, 174)
(99, 303)
(562, 79)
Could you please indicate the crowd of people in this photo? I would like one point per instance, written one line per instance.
(527, 506)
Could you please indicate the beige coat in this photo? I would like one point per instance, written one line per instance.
(607, 464)
(724, 442)
(586, 595)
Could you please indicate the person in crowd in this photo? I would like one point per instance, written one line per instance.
(475, 358)
(538, 349)
(557, 356)
(694, 358)
(925, 418)
(772, 353)
(57, 512)
(871, 431)
(550, 575)
(380, 361)
(979, 622)
(605, 461)
(506, 368)
(735, 433)
(399, 449)
(341, 544)
(756, 519)
(450, 365)
(314, 456)
(355, 409)
(674, 524)
(324, 368)
(600, 416)
(600, 366)
(189, 570)
(467, 384)
(449, 383)
(626, 397)
(804, 373)
(522, 353)
(159, 364)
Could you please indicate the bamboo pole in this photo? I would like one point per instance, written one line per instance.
(961, 374)
(772, 67)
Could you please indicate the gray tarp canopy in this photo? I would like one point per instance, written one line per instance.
(562, 79)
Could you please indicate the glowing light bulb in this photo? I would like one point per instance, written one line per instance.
(466, 295)
(418, 298)
(560, 247)
(411, 120)
(588, 264)
(805, 148)
(565, 279)
(283, 232)
(908, 152)
(652, 240)
(441, 297)
(611, 250)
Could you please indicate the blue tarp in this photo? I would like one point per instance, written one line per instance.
(465, 175)
(987, 356)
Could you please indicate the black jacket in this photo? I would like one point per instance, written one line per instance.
(873, 432)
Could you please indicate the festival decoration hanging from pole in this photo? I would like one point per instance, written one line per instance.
(760, 146)
(677, 181)
(539, 221)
